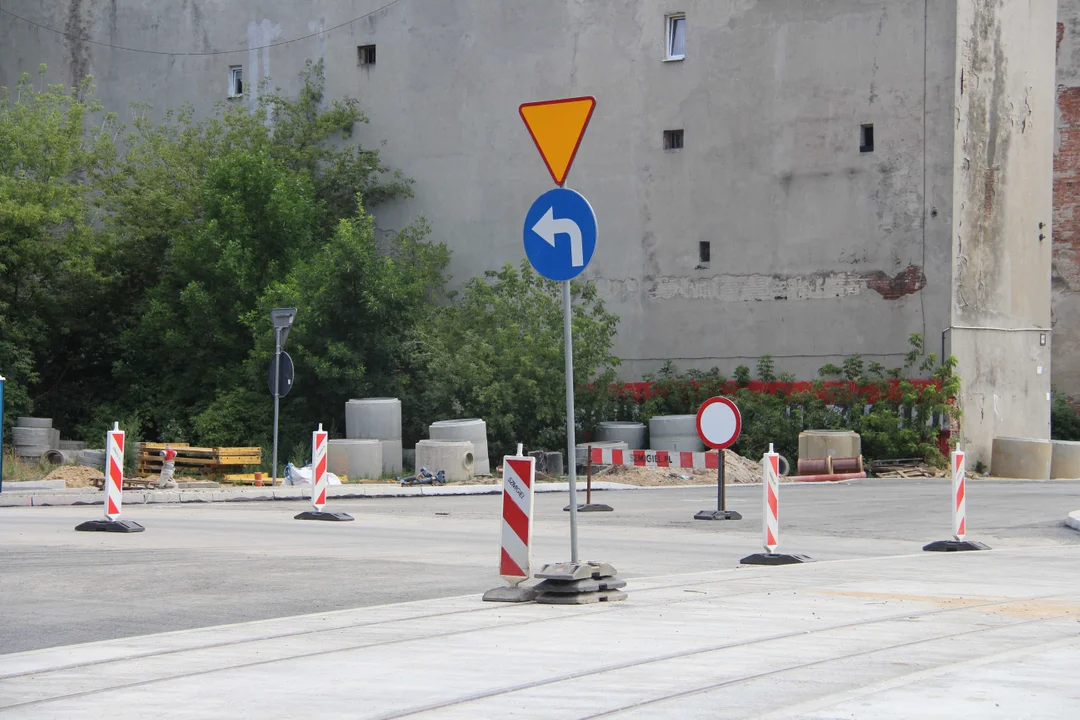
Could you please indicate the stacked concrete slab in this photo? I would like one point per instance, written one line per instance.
(34, 438)
(377, 419)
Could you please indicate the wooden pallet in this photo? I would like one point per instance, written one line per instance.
(201, 460)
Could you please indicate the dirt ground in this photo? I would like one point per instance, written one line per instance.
(737, 469)
(76, 476)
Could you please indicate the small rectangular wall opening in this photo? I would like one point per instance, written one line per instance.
(704, 251)
(365, 54)
(673, 139)
(236, 81)
(866, 138)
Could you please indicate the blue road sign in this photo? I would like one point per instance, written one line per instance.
(560, 234)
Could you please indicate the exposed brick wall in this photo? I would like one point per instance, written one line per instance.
(1067, 188)
(909, 281)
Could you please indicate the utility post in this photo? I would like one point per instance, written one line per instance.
(282, 320)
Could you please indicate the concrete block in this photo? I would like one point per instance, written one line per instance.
(373, 419)
(1027, 458)
(355, 458)
(35, 485)
(392, 457)
(817, 444)
(8, 499)
(1073, 520)
(631, 433)
(454, 457)
(1064, 459)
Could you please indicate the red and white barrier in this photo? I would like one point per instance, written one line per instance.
(770, 471)
(655, 458)
(114, 472)
(959, 491)
(770, 512)
(319, 480)
(519, 479)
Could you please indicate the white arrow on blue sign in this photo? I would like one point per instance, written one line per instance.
(560, 234)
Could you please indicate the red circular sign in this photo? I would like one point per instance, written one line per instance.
(719, 423)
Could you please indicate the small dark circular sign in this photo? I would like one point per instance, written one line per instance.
(285, 377)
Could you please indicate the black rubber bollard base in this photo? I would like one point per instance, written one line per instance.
(328, 516)
(954, 546)
(591, 507)
(121, 526)
(774, 559)
(513, 594)
(718, 515)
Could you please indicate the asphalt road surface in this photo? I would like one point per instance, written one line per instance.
(214, 564)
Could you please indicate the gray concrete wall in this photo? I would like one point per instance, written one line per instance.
(818, 250)
(1003, 191)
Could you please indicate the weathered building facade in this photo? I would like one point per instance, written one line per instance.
(847, 172)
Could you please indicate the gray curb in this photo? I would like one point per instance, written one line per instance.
(82, 496)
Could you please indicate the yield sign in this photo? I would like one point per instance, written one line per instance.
(556, 127)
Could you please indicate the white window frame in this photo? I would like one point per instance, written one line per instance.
(669, 36)
(236, 72)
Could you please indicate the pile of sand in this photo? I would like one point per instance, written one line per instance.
(76, 476)
(737, 469)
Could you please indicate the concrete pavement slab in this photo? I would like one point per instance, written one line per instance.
(974, 634)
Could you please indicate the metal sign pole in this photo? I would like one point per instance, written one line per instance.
(571, 445)
(720, 500)
(277, 399)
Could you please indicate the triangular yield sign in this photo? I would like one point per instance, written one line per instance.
(557, 127)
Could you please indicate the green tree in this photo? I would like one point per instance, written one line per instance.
(46, 153)
(497, 354)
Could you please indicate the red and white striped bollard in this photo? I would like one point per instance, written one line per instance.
(770, 516)
(114, 488)
(958, 509)
(515, 548)
(319, 481)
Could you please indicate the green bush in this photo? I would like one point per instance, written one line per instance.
(1064, 418)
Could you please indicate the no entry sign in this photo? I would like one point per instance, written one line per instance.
(719, 423)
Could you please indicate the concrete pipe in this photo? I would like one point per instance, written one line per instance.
(31, 437)
(677, 443)
(54, 457)
(358, 459)
(817, 444)
(663, 426)
(1027, 458)
(92, 458)
(847, 465)
(1064, 460)
(391, 457)
(373, 419)
(631, 433)
(33, 422)
(454, 457)
(471, 429)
